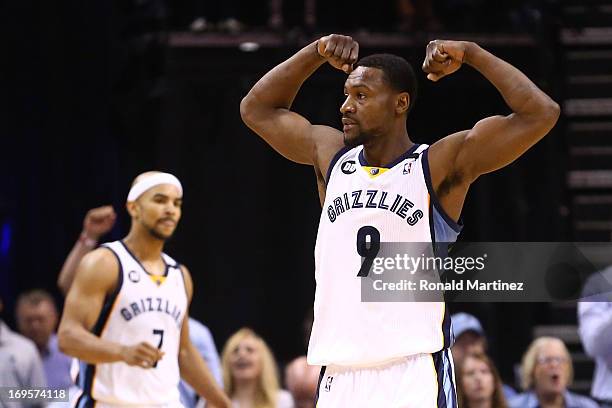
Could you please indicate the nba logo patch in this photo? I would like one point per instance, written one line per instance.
(328, 383)
(407, 168)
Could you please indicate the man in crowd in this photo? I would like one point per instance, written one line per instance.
(37, 317)
(20, 364)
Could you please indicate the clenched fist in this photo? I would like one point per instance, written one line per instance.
(142, 354)
(99, 221)
(443, 57)
(340, 51)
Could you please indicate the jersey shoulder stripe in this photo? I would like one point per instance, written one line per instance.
(334, 160)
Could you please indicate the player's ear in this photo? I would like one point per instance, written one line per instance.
(131, 208)
(402, 103)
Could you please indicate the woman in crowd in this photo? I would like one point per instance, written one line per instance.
(546, 372)
(250, 374)
(479, 383)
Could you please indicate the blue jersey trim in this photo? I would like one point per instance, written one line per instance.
(446, 328)
(456, 226)
(439, 367)
(143, 268)
(321, 375)
(404, 156)
(334, 160)
(447, 397)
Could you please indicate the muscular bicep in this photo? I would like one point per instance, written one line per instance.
(96, 276)
(497, 141)
(288, 132)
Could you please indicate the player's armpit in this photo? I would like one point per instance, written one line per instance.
(442, 158)
(96, 276)
(494, 142)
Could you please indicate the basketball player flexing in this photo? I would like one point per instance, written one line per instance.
(125, 316)
(375, 184)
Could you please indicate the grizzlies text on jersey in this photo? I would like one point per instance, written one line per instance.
(399, 203)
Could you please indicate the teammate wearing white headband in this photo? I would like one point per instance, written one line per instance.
(154, 202)
(149, 180)
(128, 306)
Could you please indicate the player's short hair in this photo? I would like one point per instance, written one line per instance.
(397, 72)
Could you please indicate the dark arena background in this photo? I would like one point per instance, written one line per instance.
(94, 93)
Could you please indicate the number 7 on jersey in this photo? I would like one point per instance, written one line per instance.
(160, 333)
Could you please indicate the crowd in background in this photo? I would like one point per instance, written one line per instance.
(404, 16)
(249, 372)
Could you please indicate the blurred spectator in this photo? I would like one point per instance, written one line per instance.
(302, 379)
(20, 363)
(546, 372)
(279, 10)
(595, 327)
(470, 338)
(221, 15)
(524, 15)
(37, 318)
(250, 374)
(472, 15)
(416, 15)
(98, 222)
(479, 384)
(203, 341)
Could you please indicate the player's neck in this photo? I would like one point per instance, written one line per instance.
(145, 248)
(383, 151)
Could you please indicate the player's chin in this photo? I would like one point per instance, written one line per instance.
(164, 233)
(351, 138)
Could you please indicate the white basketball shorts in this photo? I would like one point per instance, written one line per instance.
(419, 381)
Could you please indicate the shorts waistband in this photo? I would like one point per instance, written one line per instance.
(378, 364)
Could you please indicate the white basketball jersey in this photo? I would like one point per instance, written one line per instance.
(147, 308)
(399, 202)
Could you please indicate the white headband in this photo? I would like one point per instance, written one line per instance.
(151, 181)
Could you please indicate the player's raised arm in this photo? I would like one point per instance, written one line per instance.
(266, 108)
(193, 367)
(97, 222)
(97, 277)
(496, 141)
